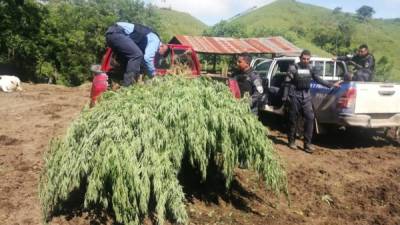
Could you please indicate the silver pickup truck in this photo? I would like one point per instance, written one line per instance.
(354, 104)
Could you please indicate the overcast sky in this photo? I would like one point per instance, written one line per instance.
(212, 11)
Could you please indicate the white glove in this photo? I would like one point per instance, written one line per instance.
(260, 89)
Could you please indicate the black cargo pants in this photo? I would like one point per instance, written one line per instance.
(300, 102)
(126, 48)
(362, 75)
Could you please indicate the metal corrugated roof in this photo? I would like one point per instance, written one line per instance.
(228, 45)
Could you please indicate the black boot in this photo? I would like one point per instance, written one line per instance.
(308, 148)
(292, 144)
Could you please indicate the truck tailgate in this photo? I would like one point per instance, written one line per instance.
(376, 97)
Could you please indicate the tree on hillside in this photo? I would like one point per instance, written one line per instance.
(225, 29)
(365, 12)
(59, 41)
(291, 34)
(337, 10)
(334, 38)
(21, 23)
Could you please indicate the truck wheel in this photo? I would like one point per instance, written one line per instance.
(386, 131)
(392, 133)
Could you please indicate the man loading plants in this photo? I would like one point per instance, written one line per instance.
(135, 43)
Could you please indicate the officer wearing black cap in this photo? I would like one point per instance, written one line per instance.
(299, 78)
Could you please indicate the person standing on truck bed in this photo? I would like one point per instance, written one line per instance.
(299, 79)
(135, 43)
(249, 81)
(363, 62)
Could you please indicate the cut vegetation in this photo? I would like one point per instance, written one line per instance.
(126, 153)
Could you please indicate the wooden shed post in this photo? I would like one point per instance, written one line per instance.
(214, 63)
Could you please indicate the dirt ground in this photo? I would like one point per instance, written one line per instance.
(353, 178)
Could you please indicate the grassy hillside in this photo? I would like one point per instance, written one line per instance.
(283, 15)
(296, 21)
(175, 22)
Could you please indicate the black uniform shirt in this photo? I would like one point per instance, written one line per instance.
(315, 75)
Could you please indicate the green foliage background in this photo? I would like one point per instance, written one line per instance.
(174, 23)
(58, 41)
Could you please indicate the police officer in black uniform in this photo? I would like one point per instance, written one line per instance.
(299, 79)
(249, 81)
(363, 62)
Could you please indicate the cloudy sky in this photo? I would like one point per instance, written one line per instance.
(212, 11)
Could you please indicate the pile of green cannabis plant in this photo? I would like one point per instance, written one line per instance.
(129, 149)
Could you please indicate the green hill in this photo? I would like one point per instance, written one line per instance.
(305, 24)
(175, 22)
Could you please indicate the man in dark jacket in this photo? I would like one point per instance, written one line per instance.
(299, 78)
(249, 82)
(363, 62)
(135, 43)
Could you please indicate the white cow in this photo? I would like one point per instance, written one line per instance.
(10, 83)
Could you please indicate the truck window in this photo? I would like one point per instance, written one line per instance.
(329, 69)
(340, 70)
(163, 62)
(262, 68)
(255, 62)
(282, 67)
(319, 66)
(280, 71)
(183, 57)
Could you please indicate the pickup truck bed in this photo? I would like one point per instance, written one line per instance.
(360, 104)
